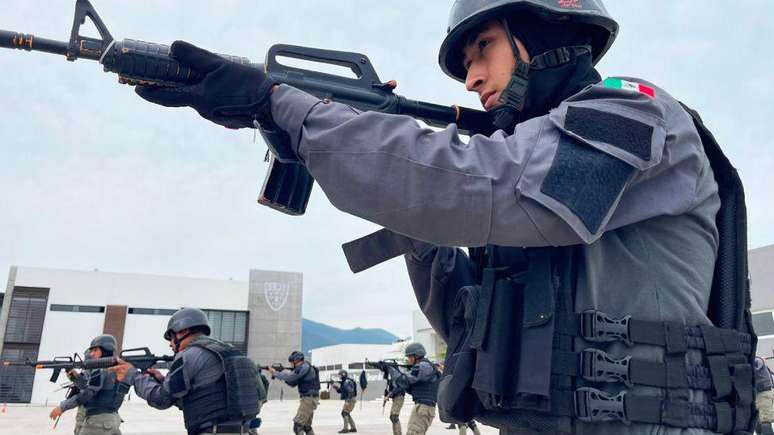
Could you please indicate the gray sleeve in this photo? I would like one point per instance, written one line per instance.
(91, 383)
(552, 182)
(70, 403)
(194, 366)
(292, 378)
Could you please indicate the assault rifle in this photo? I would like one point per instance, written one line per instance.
(288, 185)
(330, 382)
(140, 357)
(383, 364)
(277, 366)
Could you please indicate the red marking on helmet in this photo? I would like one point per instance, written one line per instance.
(570, 4)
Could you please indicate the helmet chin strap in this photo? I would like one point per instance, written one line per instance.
(514, 96)
(178, 341)
(513, 99)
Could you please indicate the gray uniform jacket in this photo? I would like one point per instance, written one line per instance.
(423, 371)
(199, 368)
(86, 390)
(618, 172)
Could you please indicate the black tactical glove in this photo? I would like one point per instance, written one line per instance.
(230, 94)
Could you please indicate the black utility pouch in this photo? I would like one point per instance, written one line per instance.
(457, 402)
(497, 337)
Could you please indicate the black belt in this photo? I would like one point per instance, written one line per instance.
(225, 428)
(310, 395)
(99, 411)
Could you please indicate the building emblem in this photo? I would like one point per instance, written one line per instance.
(276, 294)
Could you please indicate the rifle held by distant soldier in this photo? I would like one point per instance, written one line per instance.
(140, 357)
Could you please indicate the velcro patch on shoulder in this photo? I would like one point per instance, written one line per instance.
(177, 382)
(95, 378)
(628, 134)
(176, 364)
(586, 181)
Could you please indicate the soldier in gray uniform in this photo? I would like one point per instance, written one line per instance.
(348, 392)
(398, 396)
(79, 382)
(306, 377)
(606, 288)
(462, 429)
(100, 394)
(422, 383)
(210, 381)
(764, 399)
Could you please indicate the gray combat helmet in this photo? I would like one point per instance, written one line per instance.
(296, 356)
(416, 349)
(343, 374)
(105, 342)
(186, 318)
(466, 15)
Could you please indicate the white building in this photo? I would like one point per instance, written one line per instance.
(352, 357)
(762, 293)
(48, 313)
(425, 334)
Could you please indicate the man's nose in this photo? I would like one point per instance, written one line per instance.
(475, 78)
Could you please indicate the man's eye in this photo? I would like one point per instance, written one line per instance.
(482, 44)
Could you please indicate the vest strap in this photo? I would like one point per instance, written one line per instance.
(595, 365)
(598, 327)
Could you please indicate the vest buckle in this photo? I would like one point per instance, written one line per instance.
(598, 366)
(594, 406)
(598, 327)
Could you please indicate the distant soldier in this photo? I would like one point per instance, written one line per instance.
(463, 428)
(213, 383)
(306, 377)
(397, 395)
(79, 382)
(422, 383)
(99, 393)
(764, 400)
(348, 392)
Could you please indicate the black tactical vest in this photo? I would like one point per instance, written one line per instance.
(526, 296)
(484, 379)
(426, 392)
(233, 398)
(110, 396)
(309, 385)
(762, 376)
(350, 392)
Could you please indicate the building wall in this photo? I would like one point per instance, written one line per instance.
(275, 300)
(761, 261)
(275, 315)
(425, 334)
(65, 333)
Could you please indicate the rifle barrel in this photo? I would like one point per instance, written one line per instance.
(30, 42)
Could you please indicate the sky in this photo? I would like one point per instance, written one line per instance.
(92, 177)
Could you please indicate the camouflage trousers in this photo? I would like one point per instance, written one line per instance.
(102, 424)
(346, 410)
(79, 417)
(305, 413)
(421, 418)
(463, 428)
(764, 401)
(397, 405)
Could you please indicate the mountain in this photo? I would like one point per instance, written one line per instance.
(316, 334)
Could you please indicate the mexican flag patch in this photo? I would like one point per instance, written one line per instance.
(630, 86)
